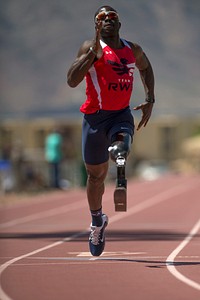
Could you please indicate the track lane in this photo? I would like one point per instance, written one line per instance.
(115, 240)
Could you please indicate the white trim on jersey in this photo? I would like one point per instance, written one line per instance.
(126, 43)
(103, 45)
(94, 79)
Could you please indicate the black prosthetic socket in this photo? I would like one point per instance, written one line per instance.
(120, 146)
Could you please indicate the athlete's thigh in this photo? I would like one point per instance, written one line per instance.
(123, 122)
(95, 144)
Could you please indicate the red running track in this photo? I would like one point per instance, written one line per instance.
(152, 250)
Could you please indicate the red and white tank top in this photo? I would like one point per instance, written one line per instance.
(109, 81)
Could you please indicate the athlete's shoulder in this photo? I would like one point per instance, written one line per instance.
(87, 43)
(135, 46)
(137, 49)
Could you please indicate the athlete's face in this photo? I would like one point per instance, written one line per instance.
(110, 21)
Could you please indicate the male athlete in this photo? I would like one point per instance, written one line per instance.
(108, 64)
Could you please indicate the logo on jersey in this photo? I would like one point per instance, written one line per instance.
(123, 68)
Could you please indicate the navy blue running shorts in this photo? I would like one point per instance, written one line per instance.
(99, 128)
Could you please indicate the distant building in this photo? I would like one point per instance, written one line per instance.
(162, 140)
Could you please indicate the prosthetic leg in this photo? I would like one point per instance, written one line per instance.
(119, 151)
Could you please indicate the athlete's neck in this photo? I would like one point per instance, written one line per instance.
(113, 42)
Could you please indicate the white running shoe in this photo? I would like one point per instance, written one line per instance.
(97, 237)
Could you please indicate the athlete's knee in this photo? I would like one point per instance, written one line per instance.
(120, 147)
(97, 173)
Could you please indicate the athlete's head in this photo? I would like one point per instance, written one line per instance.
(109, 18)
(105, 8)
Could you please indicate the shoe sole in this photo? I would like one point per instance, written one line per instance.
(120, 199)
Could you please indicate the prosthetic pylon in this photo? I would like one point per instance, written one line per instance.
(119, 151)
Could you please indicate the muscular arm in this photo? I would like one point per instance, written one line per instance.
(147, 77)
(85, 58)
(146, 71)
(81, 65)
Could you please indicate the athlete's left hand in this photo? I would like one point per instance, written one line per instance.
(146, 109)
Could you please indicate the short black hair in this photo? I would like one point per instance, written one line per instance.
(106, 7)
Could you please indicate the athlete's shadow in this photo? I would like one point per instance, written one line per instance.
(151, 263)
(111, 235)
(144, 235)
(149, 235)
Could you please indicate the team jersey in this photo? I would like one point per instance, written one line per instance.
(109, 81)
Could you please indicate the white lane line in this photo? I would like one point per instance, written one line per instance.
(83, 203)
(193, 259)
(154, 200)
(145, 204)
(170, 259)
(35, 200)
(46, 214)
(3, 295)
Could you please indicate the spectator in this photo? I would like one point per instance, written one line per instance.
(53, 155)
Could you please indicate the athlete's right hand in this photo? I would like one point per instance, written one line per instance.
(98, 27)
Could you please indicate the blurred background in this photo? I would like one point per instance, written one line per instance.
(39, 41)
